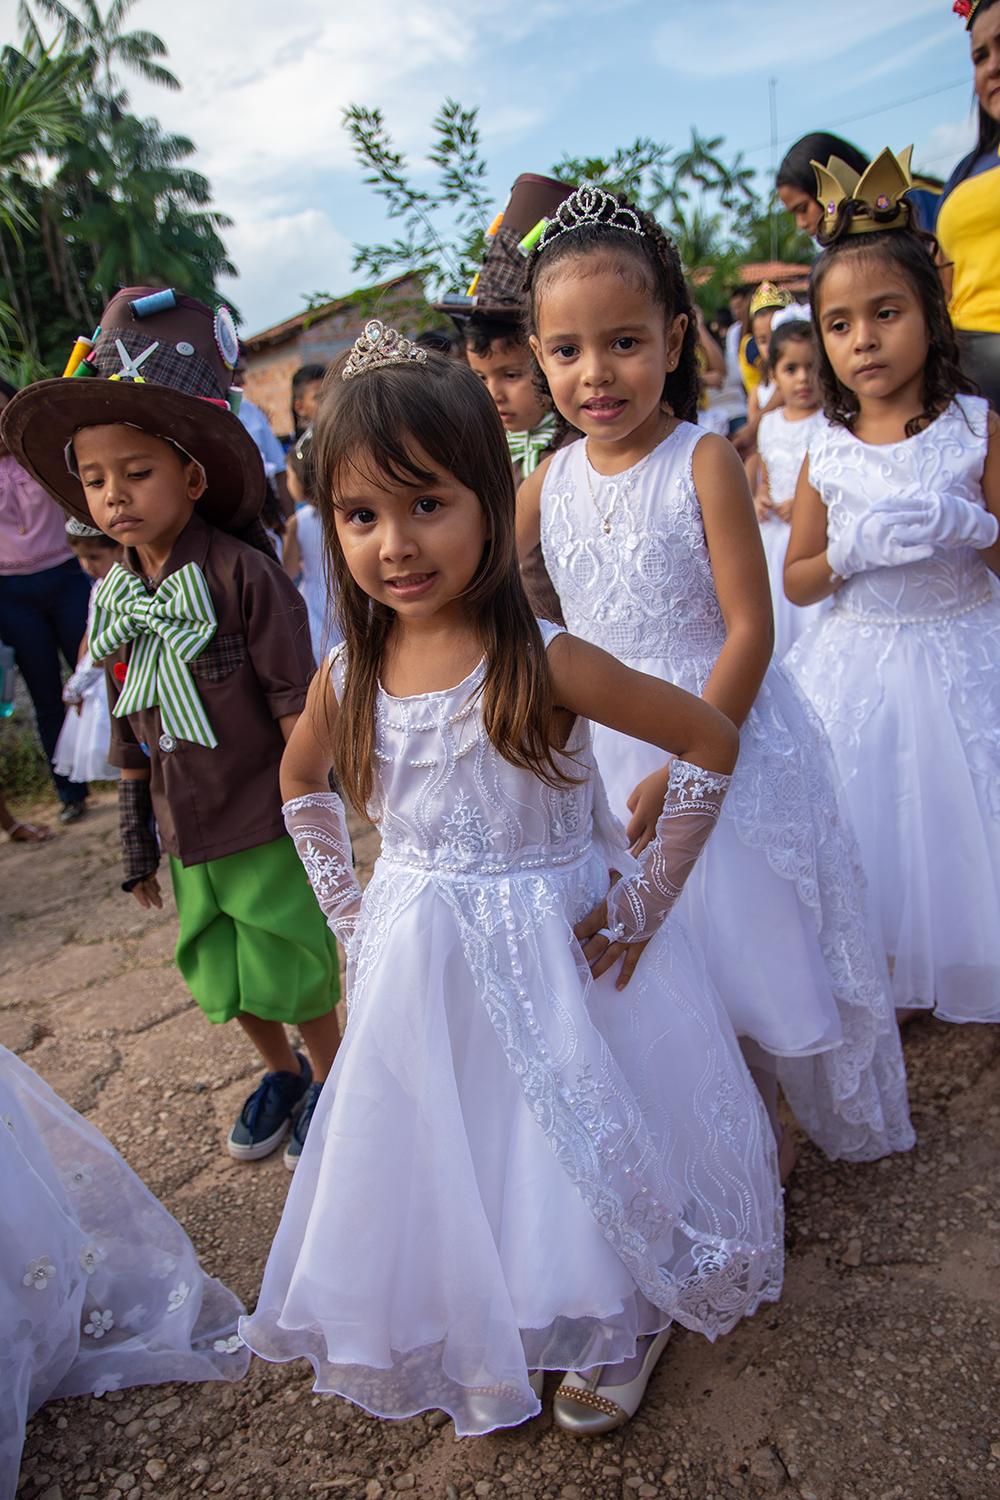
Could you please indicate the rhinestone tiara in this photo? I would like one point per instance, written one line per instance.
(589, 205)
(379, 346)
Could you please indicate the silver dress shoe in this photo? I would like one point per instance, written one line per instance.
(600, 1401)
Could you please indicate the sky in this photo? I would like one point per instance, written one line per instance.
(265, 84)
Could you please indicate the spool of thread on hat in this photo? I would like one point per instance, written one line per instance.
(156, 302)
(78, 354)
(532, 237)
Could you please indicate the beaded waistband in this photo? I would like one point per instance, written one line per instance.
(865, 618)
(406, 858)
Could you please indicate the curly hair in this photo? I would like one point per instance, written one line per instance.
(909, 253)
(656, 257)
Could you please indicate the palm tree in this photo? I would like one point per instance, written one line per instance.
(102, 45)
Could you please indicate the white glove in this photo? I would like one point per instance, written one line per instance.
(951, 521)
(638, 904)
(318, 829)
(80, 682)
(875, 540)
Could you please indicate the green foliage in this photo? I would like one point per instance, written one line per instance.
(110, 199)
(24, 771)
(704, 199)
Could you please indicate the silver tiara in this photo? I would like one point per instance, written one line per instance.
(81, 529)
(589, 205)
(379, 346)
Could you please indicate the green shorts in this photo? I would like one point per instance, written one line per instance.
(252, 937)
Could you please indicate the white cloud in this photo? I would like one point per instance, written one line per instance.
(944, 146)
(772, 35)
(281, 258)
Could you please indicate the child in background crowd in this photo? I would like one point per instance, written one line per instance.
(206, 648)
(650, 538)
(896, 518)
(307, 382)
(520, 1163)
(83, 743)
(782, 440)
(497, 351)
(304, 559)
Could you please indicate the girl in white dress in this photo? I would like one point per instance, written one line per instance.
(896, 519)
(518, 1163)
(650, 539)
(304, 558)
(82, 746)
(782, 440)
(100, 1288)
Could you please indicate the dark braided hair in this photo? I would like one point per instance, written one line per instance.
(658, 260)
(910, 253)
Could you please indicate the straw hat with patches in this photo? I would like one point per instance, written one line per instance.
(162, 362)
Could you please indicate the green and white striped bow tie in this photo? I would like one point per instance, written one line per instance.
(526, 448)
(170, 628)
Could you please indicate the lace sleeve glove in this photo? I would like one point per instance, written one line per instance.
(881, 538)
(950, 520)
(638, 904)
(318, 828)
(80, 683)
(137, 827)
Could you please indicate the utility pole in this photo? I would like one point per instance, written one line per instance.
(773, 92)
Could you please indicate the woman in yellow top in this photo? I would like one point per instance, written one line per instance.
(968, 225)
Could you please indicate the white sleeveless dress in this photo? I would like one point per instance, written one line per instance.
(100, 1288)
(776, 902)
(512, 1167)
(783, 446)
(904, 671)
(85, 738)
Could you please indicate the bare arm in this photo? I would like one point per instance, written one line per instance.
(808, 575)
(594, 685)
(529, 511)
(740, 573)
(306, 763)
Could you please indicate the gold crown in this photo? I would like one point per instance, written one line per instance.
(878, 192)
(766, 296)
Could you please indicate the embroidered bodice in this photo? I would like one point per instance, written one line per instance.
(852, 476)
(630, 563)
(446, 802)
(783, 446)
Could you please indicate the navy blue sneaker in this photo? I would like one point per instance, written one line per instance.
(266, 1117)
(301, 1127)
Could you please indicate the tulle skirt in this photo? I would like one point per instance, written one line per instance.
(777, 906)
(790, 620)
(512, 1167)
(100, 1287)
(913, 715)
(82, 746)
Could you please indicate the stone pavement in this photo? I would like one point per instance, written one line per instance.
(875, 1378)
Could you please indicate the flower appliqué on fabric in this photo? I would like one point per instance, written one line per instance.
(38, 1273)
(109, 1382)
(228, 1346)
(99, 1323)
(594, 1108)
(465, 829)
(90, 1258)
(178, 1296)
(323, 871)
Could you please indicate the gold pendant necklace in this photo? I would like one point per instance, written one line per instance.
(613, 480)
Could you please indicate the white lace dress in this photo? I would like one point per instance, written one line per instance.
(512, 1167)
(100, 1287)
(782, 445)
(776, 903)
(905, 674)
(84, 740)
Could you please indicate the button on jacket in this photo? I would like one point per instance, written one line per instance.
(254, 671)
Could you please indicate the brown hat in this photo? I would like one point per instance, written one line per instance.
(499, 287)
(160, 361)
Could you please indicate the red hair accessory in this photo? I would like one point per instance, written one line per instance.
(962, 8)
(120, 672)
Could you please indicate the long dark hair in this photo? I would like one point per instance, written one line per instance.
(909, 253)
(656, 257)
(393, 421)
(989, 129)
(796, 167)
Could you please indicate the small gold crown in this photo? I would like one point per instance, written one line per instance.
(878, 192)
(768, 295)
(379, 346)
(589, 204)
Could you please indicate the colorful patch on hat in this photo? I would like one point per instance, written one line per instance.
(226, 338)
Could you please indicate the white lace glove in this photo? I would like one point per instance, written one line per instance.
(951, 521)
(638, 904)
(80, 682)
(876, 539)
(318, 829)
